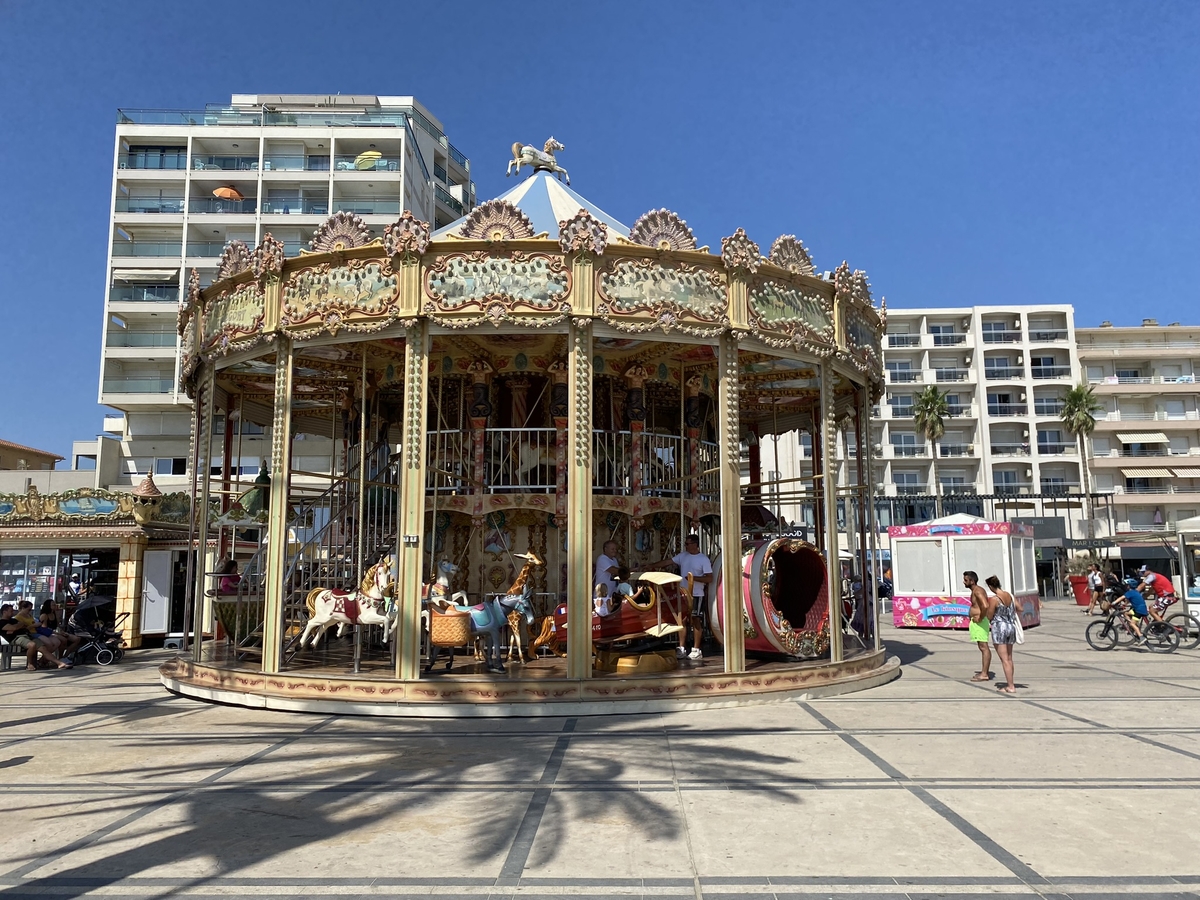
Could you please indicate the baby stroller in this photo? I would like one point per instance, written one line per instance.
(100, 642)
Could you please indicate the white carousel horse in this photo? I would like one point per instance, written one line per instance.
(491, 617)
(526, 155)
(364, 606)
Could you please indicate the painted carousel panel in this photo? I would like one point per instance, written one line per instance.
(234, 318)
(781, 307)
(466, 283)
(641, 286)
(360, 290)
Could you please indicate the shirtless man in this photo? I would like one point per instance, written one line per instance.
(981, 624)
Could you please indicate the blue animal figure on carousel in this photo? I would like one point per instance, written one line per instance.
(488, 618)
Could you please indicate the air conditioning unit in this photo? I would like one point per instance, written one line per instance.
(1024, 432)
(1029, 473)
(1022, 395)
(966, 323)
(1020, 360)
(970, 448)
(967, 360)
(1017, 324)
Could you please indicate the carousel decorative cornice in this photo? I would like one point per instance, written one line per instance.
(268, 257)
(497, 220)
(341, 231)
(739, 252)
(663, 230)
(235, 259)
(788, 252)
(583, 233)
(408, 236)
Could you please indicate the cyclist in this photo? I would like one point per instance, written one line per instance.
(1163, 589)
(1135, 607)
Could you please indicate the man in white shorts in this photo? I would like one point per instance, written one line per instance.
(692, 562)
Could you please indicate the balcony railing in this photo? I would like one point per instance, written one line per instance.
(216, 205)
(146, 248)
(912, 490)
(224, 163)
(904, 340)
(1013, 488)
(1008, 409)
(1048, 407)
(1059, 488)
(144, 293)
(296, 206)
(446, 197)
(138, 385)
(359, 164)
(908, 450)
(205, 248)
(1054, 448)
(1160, 416)
(996, 373)
(457, 156)
(161, 161)
(1147, 489)
(1001, 337)
(946, 375)
(958, 409)
(1052, 334)
(949, 340)
(1156, 450)
(287, 163)
(955, 449)
(149, 204)
(365, 207)
(1010, 449)
(903, 376)
(902, 412)
(122, 338)
(439, 172)
(1144, 379)
(1044, 372)
(521, 459)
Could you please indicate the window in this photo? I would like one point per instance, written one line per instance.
(904, 443)
(920, 567)
(1129, 373)
(1004, 476)
(1047, 406)
(1050, 441)
(901, 372)
(1173, 409)
(906, 483)
(1095, 373)
(945, 335)
(175, 465)
(1101, 446)
(902, 405)
(1041, 362)
(1180, 446)
(984, 556)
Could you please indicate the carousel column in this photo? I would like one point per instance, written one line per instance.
(579, 503)
(864, 437)
(828, 434)
(635, 406)
(204, 439)
(690, 498)
(731, 508)
(479, 412)
(412, 504)
(560, 412)
(275, 591)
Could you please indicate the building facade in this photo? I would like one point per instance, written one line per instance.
(1146, 446)
(19, 457)
(186, 182)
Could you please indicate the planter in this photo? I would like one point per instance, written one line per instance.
(1079, 585)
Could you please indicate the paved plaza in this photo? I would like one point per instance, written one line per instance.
(1085, 784)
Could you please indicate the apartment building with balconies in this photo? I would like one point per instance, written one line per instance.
(1146, 445)
(185, 182)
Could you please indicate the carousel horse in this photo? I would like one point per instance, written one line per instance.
(364, 606)
(525, 155)
(491, 617)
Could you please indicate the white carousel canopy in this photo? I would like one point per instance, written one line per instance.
(546, 201)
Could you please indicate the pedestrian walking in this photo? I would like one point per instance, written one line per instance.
(1095, 582)
(1004, 631)
(980, 624)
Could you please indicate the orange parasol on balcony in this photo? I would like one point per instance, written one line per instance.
(228, 193)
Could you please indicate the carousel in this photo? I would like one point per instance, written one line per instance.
(499, 403)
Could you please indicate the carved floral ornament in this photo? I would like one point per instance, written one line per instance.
(268, 257)
(788, 252)
(663, 230)
(739, 252)
(235, 259)
(583, 233)
(497, 220)
(408, 236)
(341, 231)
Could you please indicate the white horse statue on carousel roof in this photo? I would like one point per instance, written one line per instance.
(528, 155)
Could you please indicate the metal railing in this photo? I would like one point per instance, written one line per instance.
(1001, 337)
(1051, 334)
(611, 461)
(1010, 449)
(995, 373)
(1144, 379)
(904, 340)
(1008, 409)
(1043, 372)
(521, 459)
(451, 464)
(949, 340)
(663, 464)
(1160, 416)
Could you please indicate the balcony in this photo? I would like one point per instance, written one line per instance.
(446, 197)
(204, 205)
(1002, 337)
(124, 338)
(903, 376)
(440, 174)
(149, 205)
(951, 375)
(1157, 451)
(1008, 409)
(275, 162)
(908, 450)
(360, 164)
(902, 412)
(1059, 488)
(457, 156)
(959, 409)
(147, 248)
(366, 207)
(1044, 372)
(1149, 489)
(306, 206)
(903, 340)
(154, 160)
(1054, 448)
(1190, 415)
(949, 340)
(210, 249)
(1013, 488)
(1053, 334)
(1003, 373)
(1144, 379)
(224, 163)
(132, 385)
(1048, 407)
(956, 449)
(912, 490)
(144, 293)
(1010, 449)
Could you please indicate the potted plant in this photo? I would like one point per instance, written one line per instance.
(1077, 568)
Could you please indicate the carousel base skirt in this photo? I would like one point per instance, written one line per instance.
(520, 692)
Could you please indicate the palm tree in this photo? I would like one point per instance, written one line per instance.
(1079, 418)
(930, 411)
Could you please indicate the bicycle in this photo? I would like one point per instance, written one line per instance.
(1186, 625)
(1103, 634)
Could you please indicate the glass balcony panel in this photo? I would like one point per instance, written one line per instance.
(908, 449)
(945, 375)
(1044, 372)
(357, 163)
(1054, 448)
(296, 206)
(134, 385)
(1010, 449)
(903, 376)
(144, 293)
(149, 204)
(1048, 407)
(146, 248)
(1008, 409)
(203, 205)
(365, 207)
(996, 373)
(458, 157)
(123, 338)
(154, 158)
(948, 340)
(224, 163)
(275, 162)
(205, 248)
(953, 450)
(447, 198)
(904, 340)
(902, 412)
(1001, 337)
(1053, 334)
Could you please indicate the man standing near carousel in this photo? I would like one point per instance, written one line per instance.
(692, 562)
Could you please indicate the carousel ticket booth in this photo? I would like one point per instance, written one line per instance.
(503, 398)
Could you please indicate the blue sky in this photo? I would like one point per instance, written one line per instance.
(962, 153)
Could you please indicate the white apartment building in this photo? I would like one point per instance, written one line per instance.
(185, 182)
(1146, 446)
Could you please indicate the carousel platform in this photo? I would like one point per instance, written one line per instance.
(535, 688)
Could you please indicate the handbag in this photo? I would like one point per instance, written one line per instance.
(1017, 626)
